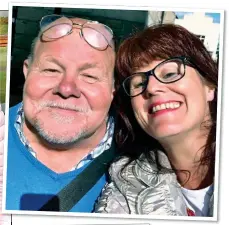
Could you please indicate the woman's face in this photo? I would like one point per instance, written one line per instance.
(167, 110)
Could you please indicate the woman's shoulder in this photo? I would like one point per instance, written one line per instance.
(124, 165)
(141, 163)
(143, 187)
(142, 169)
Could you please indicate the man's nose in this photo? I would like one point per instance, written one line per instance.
(67, 87)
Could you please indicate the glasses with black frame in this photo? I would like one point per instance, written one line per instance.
(168, 71)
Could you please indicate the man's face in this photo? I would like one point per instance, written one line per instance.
(68, 90)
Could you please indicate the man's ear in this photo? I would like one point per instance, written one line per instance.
(26, 68)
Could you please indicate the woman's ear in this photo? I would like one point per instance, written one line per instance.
(210, 94)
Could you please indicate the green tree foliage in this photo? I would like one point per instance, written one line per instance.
(3, 25)
(3, 20)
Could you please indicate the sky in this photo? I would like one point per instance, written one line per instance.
(215, 16)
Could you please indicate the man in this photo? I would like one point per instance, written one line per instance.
(63, 123)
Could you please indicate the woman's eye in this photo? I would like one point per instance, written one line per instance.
(169, 75)
(138, 85)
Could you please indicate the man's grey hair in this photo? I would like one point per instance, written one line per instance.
(32, 48)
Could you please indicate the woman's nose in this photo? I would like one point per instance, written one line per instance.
(154, 86)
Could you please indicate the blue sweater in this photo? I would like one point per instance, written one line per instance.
(30, 183)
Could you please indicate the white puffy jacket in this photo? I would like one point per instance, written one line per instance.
(140, 190)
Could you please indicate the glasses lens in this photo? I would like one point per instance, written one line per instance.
(46, 20)
(170, 71)
(135, 84)
(97, 35)
(55, 26)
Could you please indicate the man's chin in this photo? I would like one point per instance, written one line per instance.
(59, 137)
(60, 142)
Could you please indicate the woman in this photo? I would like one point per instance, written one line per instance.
(167, 100)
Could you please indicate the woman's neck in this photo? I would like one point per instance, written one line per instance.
(185, 155)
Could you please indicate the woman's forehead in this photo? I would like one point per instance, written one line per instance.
(147, 66)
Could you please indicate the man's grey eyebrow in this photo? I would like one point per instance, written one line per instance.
(84, 66)
(53, 60)
(88, 66)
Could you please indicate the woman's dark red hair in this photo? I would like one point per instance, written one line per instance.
(159, 42)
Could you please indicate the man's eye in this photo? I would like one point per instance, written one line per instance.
(89, 78)
(49, 70)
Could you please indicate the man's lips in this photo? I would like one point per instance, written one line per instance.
(61, 108)
(64, 111)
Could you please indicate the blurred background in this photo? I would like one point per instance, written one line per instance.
(3, 54)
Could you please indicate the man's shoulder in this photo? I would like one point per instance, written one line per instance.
(14, 109)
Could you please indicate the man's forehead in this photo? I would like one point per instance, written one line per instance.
(79, 20)
(73, 47)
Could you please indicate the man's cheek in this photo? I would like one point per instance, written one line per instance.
(35, 88)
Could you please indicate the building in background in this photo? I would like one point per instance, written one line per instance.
(196, 22)
(159, 17)
(204, 27)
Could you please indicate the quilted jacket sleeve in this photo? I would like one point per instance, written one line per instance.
(111, 201)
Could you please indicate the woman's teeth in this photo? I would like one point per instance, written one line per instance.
(169, 105)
